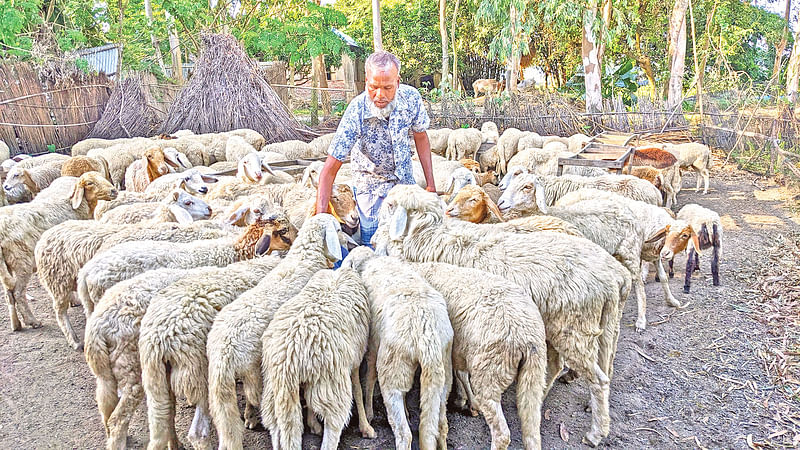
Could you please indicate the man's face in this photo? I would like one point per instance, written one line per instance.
(382, 85)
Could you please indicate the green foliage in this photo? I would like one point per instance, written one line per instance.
(619, 81)
(16, 18)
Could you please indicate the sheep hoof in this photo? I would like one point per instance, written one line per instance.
(641, 324)
(686, 289)
(717, 283)
(368, 432)
(251, 423)
(569, 376)
(35, 324)
(16, 325)
(473, 412)
(591, 439)
(672, 301)
(315, 427)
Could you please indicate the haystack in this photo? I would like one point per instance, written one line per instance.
(129, 112)
(227, 92)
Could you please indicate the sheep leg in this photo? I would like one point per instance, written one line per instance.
(645, 271)
(395, 413)
(160, 406)
(16, 325)
(372, 375)
(662, 278)
(129, 401)
(706, 174)
(715, 256)
(22, 301)
(463, 382)
(687, 284)
(461, 393)
(444, 427)
(490, 382)
(200, 430)
(106, 396)
(73, 299)
(554, 366)
(395, 377)
(60, 306)
(311, 417)
(252, 384)
(696, 262)
(641, 301)
(363, 424)
(333, 399)
(493, 413)
(599, 388)
(671, 268)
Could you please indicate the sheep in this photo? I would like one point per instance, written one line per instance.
(65, 248)
(118, 160)
(78, 165)
(498, 336)
(694, 156)
(131, 258)
(653, 157)
(438, 140)
(507, 147)
(236, 147)
(489, 132)
(140, 173)
(520, 192)
(579, 288)
(292, 149)
(234, 342)
(667, 180)
(5, 153)
(312, 172)
(463, 142)
(192, 181)
(442, 171)
(22, 226)
(84, 147)
(654, 220)
(489, 158)
(177, 161)
(179, 206)
(530, 140)
(332, 311)
(23, 182)
(172, 343)
(322, 143)
(576, 142)
(409, 328)
(251, 169)
(704, 227)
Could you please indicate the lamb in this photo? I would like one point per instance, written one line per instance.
(78, 165)
(292, 149)
(192, 181)
(668, 181)
(498, 337)
(489, 132)
(65, 248)
(5, 153)
(438, 140)
(24, 182)
(409, 328)
(22, 226)
(489, 158)
(234, 342)
(507, 147)
(704, 227)
(142, 172)
(179, 206)
(694, 156)
(172, 343)
(132, 258)
(463, 142)
(578, 287)
(251, 169)
(332, 311)
(520, 192)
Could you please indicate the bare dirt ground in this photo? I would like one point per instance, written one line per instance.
(697, 377)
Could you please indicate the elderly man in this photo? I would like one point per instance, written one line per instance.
(375, 127)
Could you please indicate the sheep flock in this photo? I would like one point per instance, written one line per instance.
(192, 281)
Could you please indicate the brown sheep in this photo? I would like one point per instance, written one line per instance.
(79, 165)
(150, 166)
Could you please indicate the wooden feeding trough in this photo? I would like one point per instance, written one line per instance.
(290, 166)
(611, 151)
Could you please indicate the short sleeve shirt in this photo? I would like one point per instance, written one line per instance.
(380, 149)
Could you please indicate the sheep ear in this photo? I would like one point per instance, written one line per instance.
(181, 215)
(175, 195)
(209, 179)
(237, 215)
(77, 195)
(266, 167)
(450, 184)
(332, 246)
(493, 207)
(657, 235)
(398, 224)
(696, 242)
(540, 200)
(184, 161)
(382, 249)
(262, 246)
(306, 177)
(350, 243)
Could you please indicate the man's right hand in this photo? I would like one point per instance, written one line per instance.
(325, 186)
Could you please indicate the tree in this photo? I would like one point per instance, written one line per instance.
(511, 17)
(148, 11)
(793, 71)
(443, 33)
(376, 25)
(591, 60)
(677, 53)
(776, 66)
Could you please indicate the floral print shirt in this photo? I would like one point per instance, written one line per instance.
(380, 149)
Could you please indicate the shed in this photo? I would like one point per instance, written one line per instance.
(352, 69)
(101, 59)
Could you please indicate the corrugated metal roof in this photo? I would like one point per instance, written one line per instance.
(347, 39)
(101, 59)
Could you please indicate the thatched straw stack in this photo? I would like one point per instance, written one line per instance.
(129, 112)
(228, 92)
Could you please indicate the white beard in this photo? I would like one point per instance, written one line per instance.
(382, 112)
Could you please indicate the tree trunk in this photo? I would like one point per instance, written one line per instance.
(511, 80)
(776, 67)
(677, 53)
(119, 39)
(456, 81)
(591, 63)
(601, 47)
(696, 63)
(321, 81)
(793, 71)
(443, 34)
(376, 25)
(174, 49)
(148, 11)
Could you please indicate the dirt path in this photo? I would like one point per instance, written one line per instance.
(692, 379)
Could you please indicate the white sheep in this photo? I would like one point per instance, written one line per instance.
(498, 337)
(177, 161)
(489, 132)
(704, 227)
(65, 248)
(441, 171)
(332, 312)
(23, 182)
(312, 172)
(292, 149)
(438, 140)
(489, 158)
(5, 153)
(192, 181)
(530, 140)
(118, 159)
(694, 156)
(236, 147)
(252, 168)
(143, 171)
(579, 288)
(21, 226)
(234, 342)
(409, 329)
(172, 343)
(463, 143)
(128, 259)
(322, 143)
(178, 206)
(507, 147)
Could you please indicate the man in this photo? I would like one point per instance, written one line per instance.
(376, 128)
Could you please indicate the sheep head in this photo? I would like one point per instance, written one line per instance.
(252, 167)
(676, 238)
(278, 234)
(195, 182)
(311, 174)
(92, 187)
(524, 193)
(155, 162)
(358, 257)
(321, 230)
(187, 208)
(343, 205)
(408, 207)
(513, 172)
(19, 186)
(176, 160)
(472, 204)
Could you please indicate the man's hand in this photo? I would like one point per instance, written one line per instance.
(424, 152)
(326, 178)
(431, 189)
